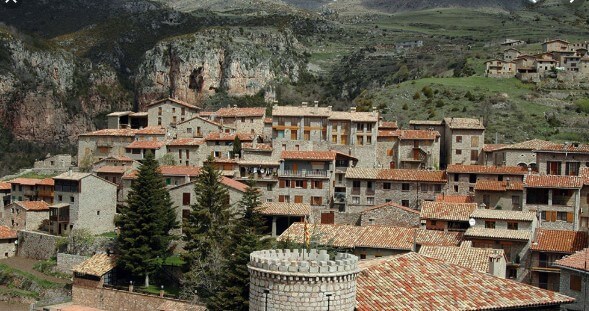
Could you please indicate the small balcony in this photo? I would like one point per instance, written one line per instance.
(545, 265)
(61, 218)
(355, 191)
(303, 173)
(369, 191)
(258, 176)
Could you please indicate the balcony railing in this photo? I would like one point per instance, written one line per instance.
(549, 264)
(303, 173)
(59, 218)
(355, 191)
(369, 191)
(258, 176)
(561, 200)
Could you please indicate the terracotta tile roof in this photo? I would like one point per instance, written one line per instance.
(116, 158)
(186, 142)
(493, 147)
(239, 186)
(426, 122)
(396, 174)
(390, 205)
(382, 237)
(229, 137)
(469, 257)
(454, 198)
(268, 120)
(447, 211)
(285, 209)
(503, 215)
(259, 163)
(72, 176)
(7, 233)
(482, 169)
(308, 155)
(25, 181)
(415, 282)
(562, 241)
(387, 133)
(578, 260)
(33, 205)
(205, 113)
(570, 148)
(417, 134)
(259, 147)
(200, 117)
(294, 111)
(553, 181)
(529, 145)
(173, 100)
(240, 112)
(464, 123)
(145, 144)
(112, 169)
(97, 265)
(179, 170)
(151, 130)
(46, 182)
(111, 132)
(495, 185)
(5, 186)
(392, 125)
(354, 116)
(476, 232)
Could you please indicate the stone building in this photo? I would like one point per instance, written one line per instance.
(510, 54)
(51, 164)
(511, 231)
(280, 216)
(32, 189)
(462, 179)
(518, 154)
(220, 145)
(5, 189)
(446, 216)
(82, 201)
(115, 175)
(574, 279)
(584, 204)
(115, 161)
(433, 125)
(199, 127)
(7, 239)
(390, 214)
(301, 280)
(188, 151)
(549, 246)
(169, 112)
(499, 68)
(97, 145)
(366, 187)
(138, 149)
(409, 149)
(556, 45)
(126, 120)
(562, 159)
(464, 140)
(244, 120)
(556, 199)
(494, 194)
(26, 215)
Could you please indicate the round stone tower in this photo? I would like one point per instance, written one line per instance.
(301, 280)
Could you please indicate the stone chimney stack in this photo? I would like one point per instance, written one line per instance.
(352, 109)
(304, 104)
(316, 103)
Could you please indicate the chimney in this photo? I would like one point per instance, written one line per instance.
(491, 265)
(507, 181)
(235, 106)
(304, 104)
(186, 179)
(69, 172)
(316, 103)
(329, 108)
(352, 109)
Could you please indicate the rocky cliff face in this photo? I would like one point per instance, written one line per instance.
(237, 62)
(48, 95)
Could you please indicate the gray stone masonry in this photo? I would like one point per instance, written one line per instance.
(65, 262)
(301, 280)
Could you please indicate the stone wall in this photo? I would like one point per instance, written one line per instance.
(565, 288)
(65, 262)
(297, 280)
(391, 215)
(111, 299)
(36, 245)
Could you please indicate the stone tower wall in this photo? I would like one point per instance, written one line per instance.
(301, 280)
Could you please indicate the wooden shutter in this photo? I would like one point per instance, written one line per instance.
(319, 185)
(185, 198)
(293, 183)
(281, 183)
(575, 282)
(328, 218)
(298, 199)
(570, 217)
(304, 184)
(552, 216)
(319, 200)
(281, 198)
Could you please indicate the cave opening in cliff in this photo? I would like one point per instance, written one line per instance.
(196, 81)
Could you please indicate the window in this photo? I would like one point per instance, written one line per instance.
(217, 154)
(59, 198)
(159, 111)
(368, 127)
(72, 200)
(293, 135)
(472, 178)
(287, 183)
(575, 282)
(317, 184)
(173, 110)
(437, 188)
(307, 135)
(97, 213)
(299, 184)
(369, 140)
(515, 201)
(159, 121)
(458, 139)
(242, 120)
(474, 141)
(543, 215)
(553, 167)
(269, 200)
(186, 198)
(512, 225)
(362, 256)
(424, 187)
(455, 188)
(315, 201)
(405, 203)
(370, 200)
(269, 187)
(474, 155)
(386, 186)
(458, 151)
(572, 168)
(489, 224)
(355, 200)
(456, 177)
(561, 216)
(284, 198)
(334, 139)
(360, 140)
(486, 200)
(360, 127)
(356, 184)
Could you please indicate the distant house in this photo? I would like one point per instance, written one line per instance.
(390, 214)
(169, 112)
(462, 179)
(5, 189)
(510, 54)
(512, 42)
(556, 45)
(95, 272)
(32, 189)
(446, 216)
(26, 215)
(574, 278)
(97, 145)
(243, 119)
(494, 194)
(7, 239)
(498, 68)
(281, 215)
(127, 120)
(464, 140)
(485, 260)
(518, 154)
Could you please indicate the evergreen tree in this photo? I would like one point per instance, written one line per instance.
(207, 234)
(236, 146)
(233, 293)
(144, 239)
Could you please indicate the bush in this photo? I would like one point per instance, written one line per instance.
(439, 103)
(416, 96)
(582, 105)
(405, 106)
(427, 91)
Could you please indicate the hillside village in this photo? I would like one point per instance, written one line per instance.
(432, 202)
(558, 59)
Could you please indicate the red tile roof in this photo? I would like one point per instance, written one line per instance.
(569, 148)
(503, 215)
(259, 146)
(391, 205)
(464, 123)
(396, 174)
(415, 282)
(498, 234)
(312, 155)
(32, 181)
(561, 241)
(179, 170)
(46, 182)
(146, 144)
(151, 130)
(418, 134)
(241, 112)
(387, 133)
(388, 125)
(111, 132)
(173, 100)
(285, 209)
(112, 169)
(97, 265)
(186, 142)
(7, 233)
(465, 256)
(229, 137)
(239, 186)
(5, 185)
(481, 169)
(454, 198)
(494, 185)
(493, 147)
(447, 211)
(578, 260)
(33, 205)
(553, 181)
(199, 117)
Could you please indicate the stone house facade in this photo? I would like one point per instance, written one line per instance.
(83, 201)
(98, 145)
(56, 163)
(31, 189)
(410, 188)
(503, 195)
(220, 145)
(390, 214)
(574, 279)
(126, 120)
(498, 68)
(464, 140)
(26, 215)
(169, 112)
(188, 151)
(562, 159)
(409, 149)
(199, 127)
(244, 120)
(7, 239)
(462, 179)
(518, 154)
